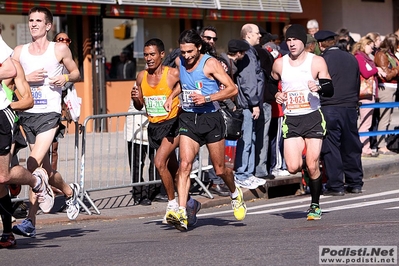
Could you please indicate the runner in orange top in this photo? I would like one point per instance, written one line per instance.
(153, 86)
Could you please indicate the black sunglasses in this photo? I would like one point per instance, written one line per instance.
(65, 40)
(210, 38)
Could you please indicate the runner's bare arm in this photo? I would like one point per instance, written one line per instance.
(136, 93)
(69, 63)
(215, 70)
(25, 99)
(174, 83)
(7, 69)
(275, 77)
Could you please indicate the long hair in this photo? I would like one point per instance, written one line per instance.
(389, 44)
(191, 36)
(361, 44)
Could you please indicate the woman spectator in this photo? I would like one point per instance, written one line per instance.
(376, 37)
(368, 69)
(387, 86)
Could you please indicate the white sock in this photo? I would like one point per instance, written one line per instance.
(172, 202)
(234, 194)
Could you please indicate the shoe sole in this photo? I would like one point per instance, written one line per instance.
(12, 245)
(173, 221)
(311, 218)
(16, 231)
(248, 187)
(44, 178)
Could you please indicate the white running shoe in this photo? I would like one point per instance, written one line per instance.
(256, 180)
(72, 203)
(280, 172)
(247, 183)
(45, 194)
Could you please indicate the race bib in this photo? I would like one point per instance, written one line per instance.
(187, 101)
(39, 97)
(154, 105)
(297, 100)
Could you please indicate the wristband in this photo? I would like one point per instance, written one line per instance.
(66, 77)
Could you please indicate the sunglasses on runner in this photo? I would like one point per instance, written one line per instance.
(210, 38)
(64, 40)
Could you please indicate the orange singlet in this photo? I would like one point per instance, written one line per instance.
(155, 97)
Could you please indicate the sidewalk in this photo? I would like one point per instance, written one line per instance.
(117, 203)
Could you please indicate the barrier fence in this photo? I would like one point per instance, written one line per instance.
(379, 105)
(103, 163)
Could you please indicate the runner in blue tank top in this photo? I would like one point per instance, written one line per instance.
(201, 123)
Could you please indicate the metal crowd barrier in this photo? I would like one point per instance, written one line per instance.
(104, 162)
(379, 105)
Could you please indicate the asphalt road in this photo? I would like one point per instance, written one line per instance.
(275, 232)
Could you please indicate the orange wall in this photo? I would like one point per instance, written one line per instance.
(118, 101)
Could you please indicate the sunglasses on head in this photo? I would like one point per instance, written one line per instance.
(210, 38)
(64, 40)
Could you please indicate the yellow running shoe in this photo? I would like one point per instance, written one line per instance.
(238, 205)
(178, 219)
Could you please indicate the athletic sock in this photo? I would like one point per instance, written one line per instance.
(234, 194)
(315, 186)
(6, 213)
(173, 202)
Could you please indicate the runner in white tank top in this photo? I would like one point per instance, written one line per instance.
(303, 125)
(47, 96)
(43, 62)
(300, 99)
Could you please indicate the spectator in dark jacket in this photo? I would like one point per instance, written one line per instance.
(341, 150)
(250, 80)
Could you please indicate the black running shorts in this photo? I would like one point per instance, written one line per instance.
(158, 131)
(7, 117)
(203, 128)
(34, 124)
(310, 125)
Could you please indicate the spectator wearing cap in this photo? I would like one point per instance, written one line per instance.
(342, 149)
(235, 51)
(311, 44)
(250, 80)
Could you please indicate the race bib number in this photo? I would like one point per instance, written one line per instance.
(39, 97)
(187, 101)
(297, 100)
(154, 105)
